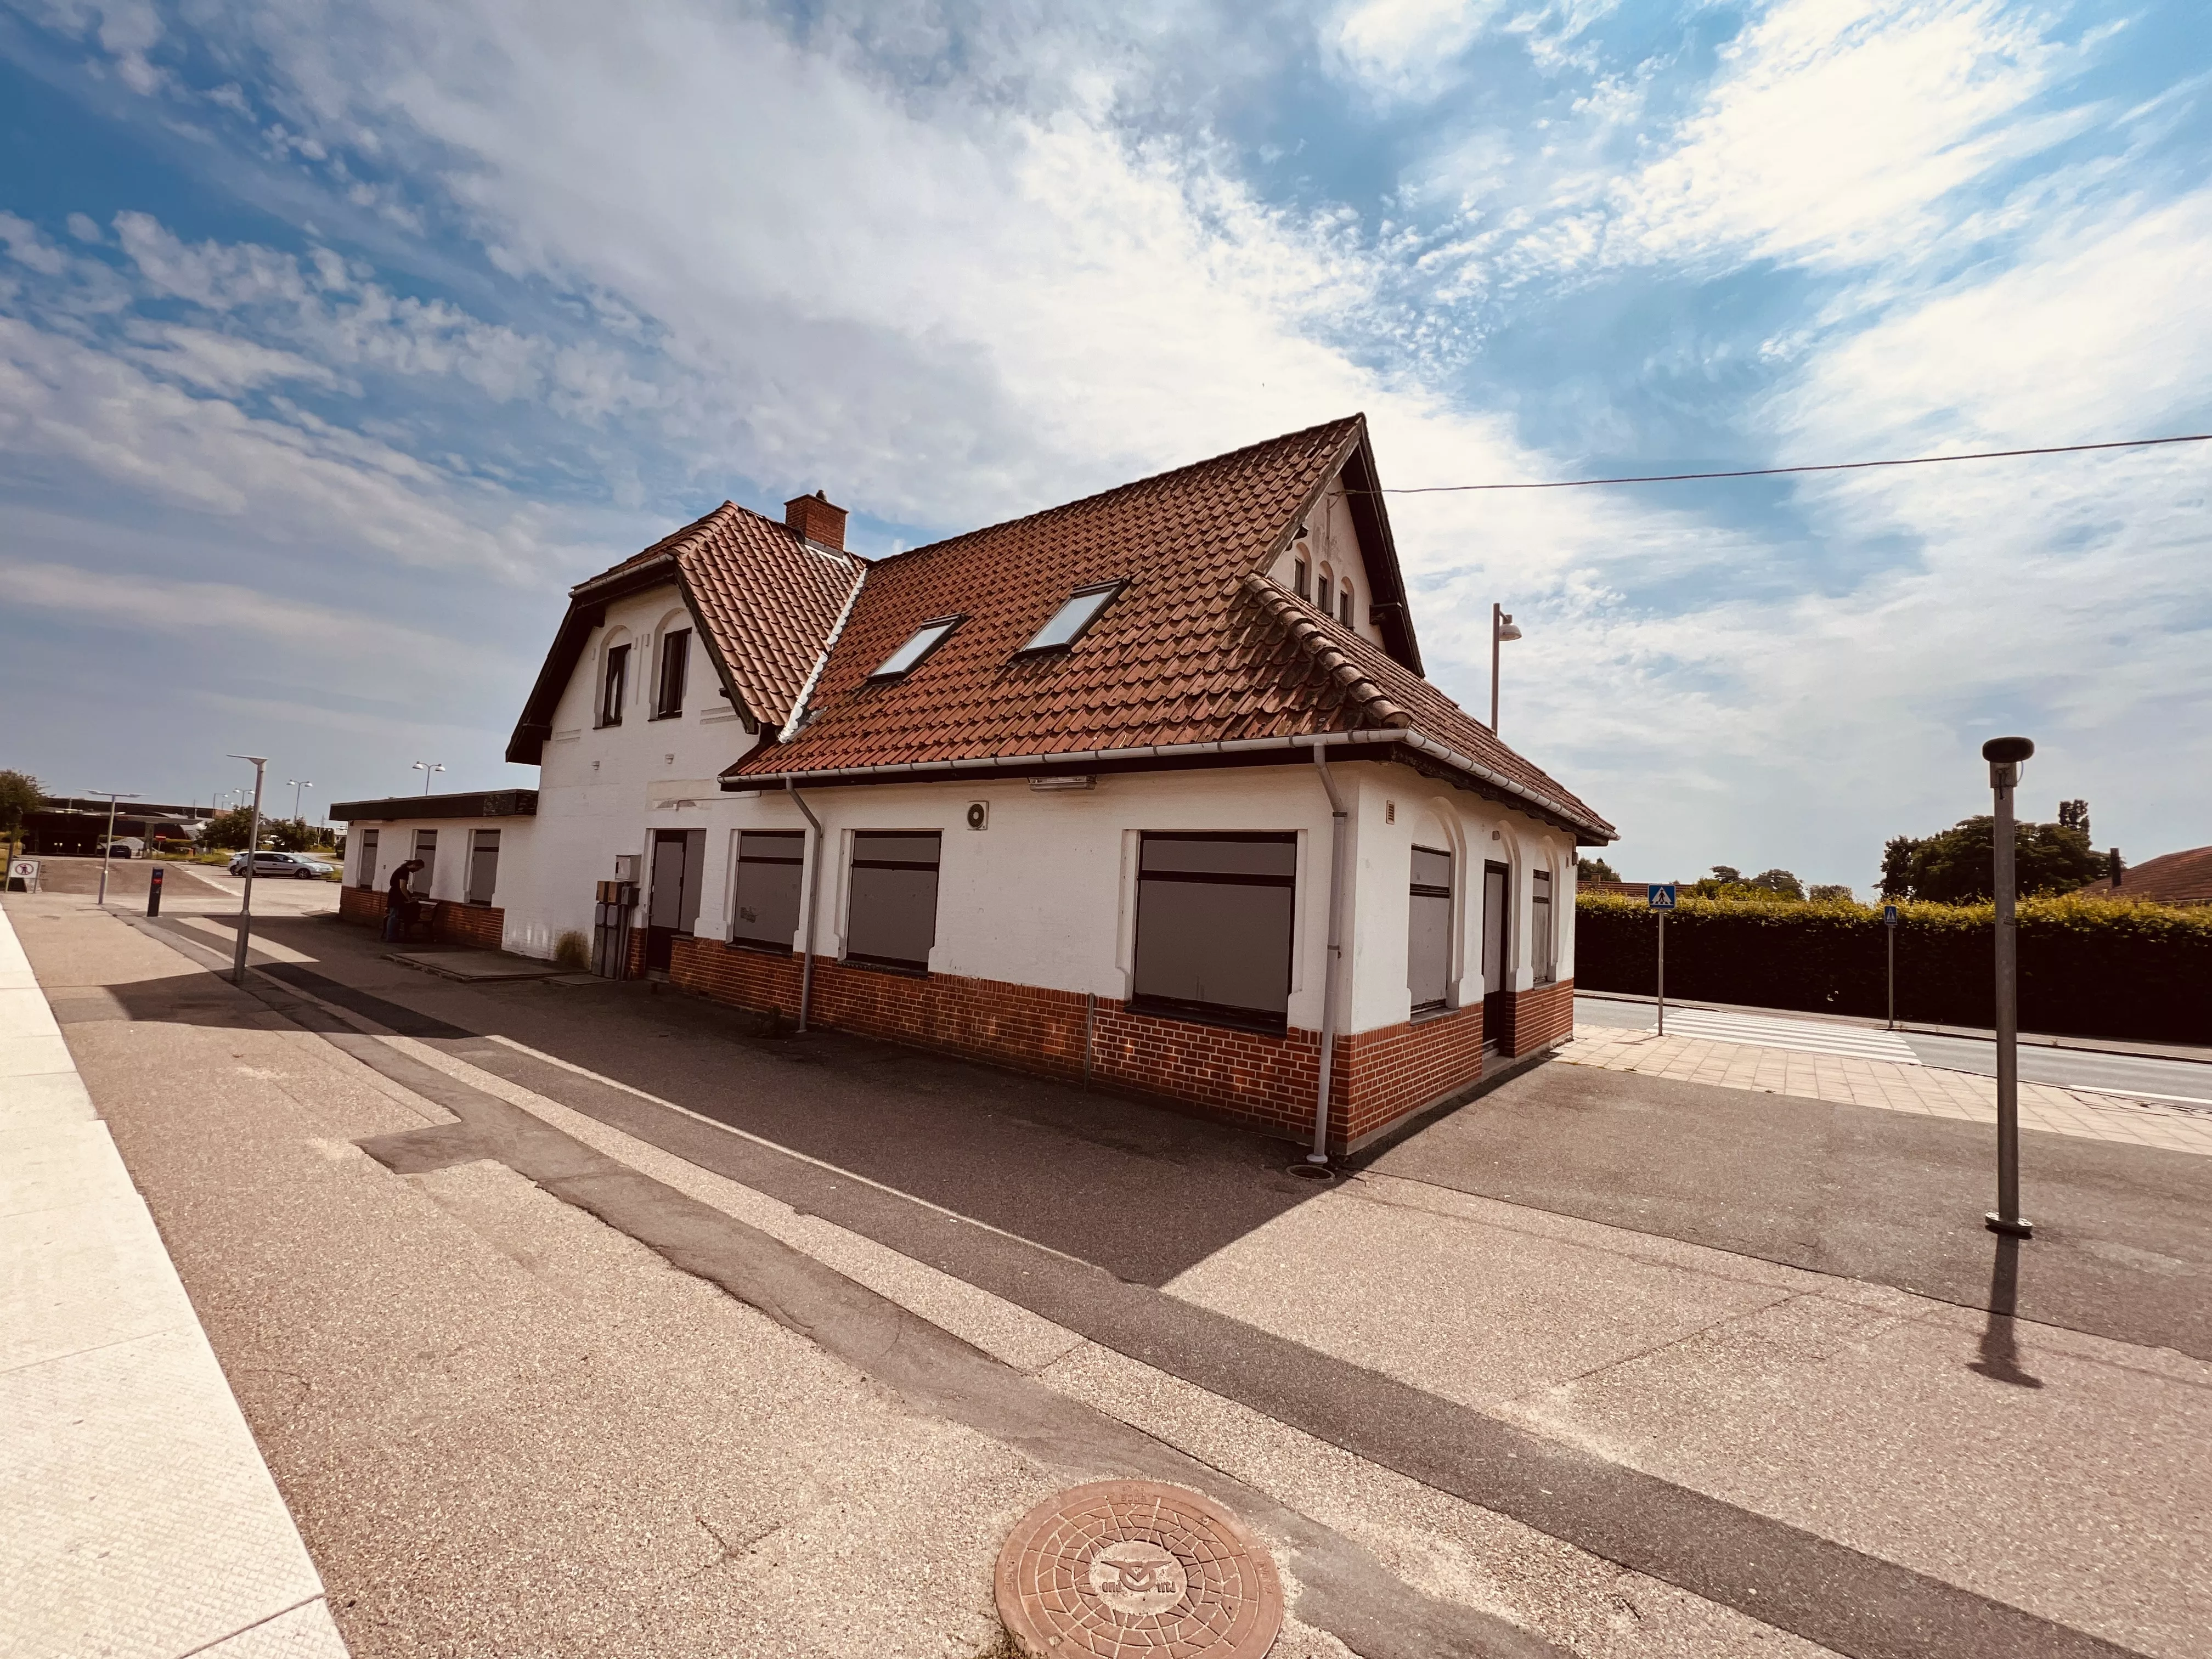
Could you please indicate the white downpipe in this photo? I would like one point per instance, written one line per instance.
(1330, 964)
(813, 891)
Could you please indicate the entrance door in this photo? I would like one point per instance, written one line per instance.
(672, 908)
(1496, 908)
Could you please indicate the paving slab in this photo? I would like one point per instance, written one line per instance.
(140, 1523)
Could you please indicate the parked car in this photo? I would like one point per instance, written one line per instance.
(126, 847)
(298, 865)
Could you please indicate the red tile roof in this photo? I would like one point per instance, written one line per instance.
(2170, 878)
(1198, 647)
(765, 599)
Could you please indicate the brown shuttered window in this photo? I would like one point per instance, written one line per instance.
(1213, 926)
(890, 913)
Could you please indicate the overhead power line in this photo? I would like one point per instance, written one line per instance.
(1776, 471)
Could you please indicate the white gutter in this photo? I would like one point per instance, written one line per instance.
(1407, 735)
(813, 891)
(814, 675)
(1333, 962)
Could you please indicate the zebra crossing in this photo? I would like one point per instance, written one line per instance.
(1803, 1035)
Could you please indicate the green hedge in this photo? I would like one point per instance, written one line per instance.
(2087, 967)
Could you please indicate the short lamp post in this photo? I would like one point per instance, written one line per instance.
(252, 846)
(107, 841)
(1501, 629)
(426, 769)
(2004, 755)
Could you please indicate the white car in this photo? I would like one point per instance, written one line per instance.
(296, 865)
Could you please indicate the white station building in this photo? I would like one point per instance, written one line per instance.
(1148, 789)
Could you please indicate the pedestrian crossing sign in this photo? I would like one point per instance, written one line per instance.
(1661, 894)
(1889, 916)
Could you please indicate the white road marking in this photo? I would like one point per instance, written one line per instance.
(1803, 1036)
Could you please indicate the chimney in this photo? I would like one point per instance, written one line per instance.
(2117, 869)
(812, 517)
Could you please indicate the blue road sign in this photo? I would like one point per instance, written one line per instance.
(1889, 916)
(1661, 894)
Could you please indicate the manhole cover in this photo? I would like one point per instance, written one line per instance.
(1122, 1569)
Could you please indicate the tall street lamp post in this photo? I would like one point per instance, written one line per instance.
(426, 768)
(2004, 755)
(252, 846)
(1501, 629)
(107, 841)
(298, 784)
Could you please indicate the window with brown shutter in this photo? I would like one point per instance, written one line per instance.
(1428, 938)
(890, 912)
(1213, 926)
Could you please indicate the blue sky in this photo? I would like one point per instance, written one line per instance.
(336, 341)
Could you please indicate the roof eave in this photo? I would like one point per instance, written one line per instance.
(1590, 831)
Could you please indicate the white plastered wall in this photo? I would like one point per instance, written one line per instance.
(449, 876)
(1395, 808)
(1331, 541)
(603, 789)
(1045, 894)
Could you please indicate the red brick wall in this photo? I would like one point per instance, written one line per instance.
(1542, 1017)
(364, 905)
(1383, 1074)
(481, 927)
(1262, 1082)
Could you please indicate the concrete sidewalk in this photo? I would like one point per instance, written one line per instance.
(1926, 1091)
(139, 1520)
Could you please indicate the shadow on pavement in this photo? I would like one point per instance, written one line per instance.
(2000, 1346)
(1138, 1189)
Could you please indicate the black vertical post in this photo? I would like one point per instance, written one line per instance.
(2004, 755)
(154, 890)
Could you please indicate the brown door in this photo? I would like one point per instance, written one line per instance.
(673, 901)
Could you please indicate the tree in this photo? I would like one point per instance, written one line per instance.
(229, 829)
(1778, 881)
(1829, 890)
(1595, 870)
(1726, 875)
(290, 835)
(20, 793)
(1958, 866)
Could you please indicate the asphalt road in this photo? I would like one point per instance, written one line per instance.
(2150, 1076)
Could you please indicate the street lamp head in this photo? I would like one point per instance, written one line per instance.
(1506, 631)
(2007, 750)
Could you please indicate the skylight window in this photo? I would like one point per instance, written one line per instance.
(927, 638)
(1069, 623)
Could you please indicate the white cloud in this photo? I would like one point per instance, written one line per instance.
(66, 404)
(27, 246)
(1403, 49)
(1837, 126)
(155, 605)
(219, 363)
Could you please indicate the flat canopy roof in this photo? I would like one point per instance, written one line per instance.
(482, 804)
(127, 808)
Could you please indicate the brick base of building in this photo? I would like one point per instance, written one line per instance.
(1250, 1078)
(478, 926)
(1543, 1016)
